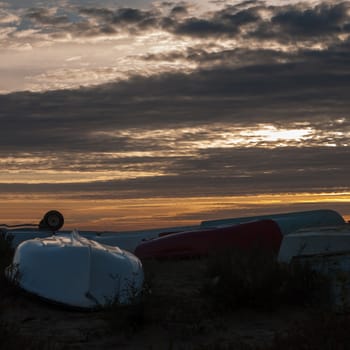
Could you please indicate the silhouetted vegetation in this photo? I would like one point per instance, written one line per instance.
(321, 331)
(6, 252)
(129, 318)
(236, 279)
(200, 298)
(6, 255)
(11, 339)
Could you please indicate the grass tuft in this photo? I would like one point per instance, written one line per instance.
(6, 252)
(236, 279)
(11, 339)
(6, 256)
(321, 331)
(128, 318)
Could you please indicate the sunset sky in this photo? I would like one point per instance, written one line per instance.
(138, 114)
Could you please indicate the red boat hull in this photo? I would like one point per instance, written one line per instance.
(264, 233)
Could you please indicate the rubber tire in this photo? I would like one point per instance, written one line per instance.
(53, 220)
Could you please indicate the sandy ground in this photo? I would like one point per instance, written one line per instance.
(173, 317)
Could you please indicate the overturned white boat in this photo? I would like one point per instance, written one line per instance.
(287, 222)
(327, 251)
(77, 272)
(315, 241)
(53, 221)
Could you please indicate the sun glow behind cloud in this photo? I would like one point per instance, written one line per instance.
(62, 176)
(218, 102)
(149, 152)
(265, 136)
(216, 135)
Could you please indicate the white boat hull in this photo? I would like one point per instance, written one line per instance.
(336, 267)
(77, 272)
(321, 240)
(287, 222)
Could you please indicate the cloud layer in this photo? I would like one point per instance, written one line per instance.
(166, 101)
(80, 45)
(263, 128)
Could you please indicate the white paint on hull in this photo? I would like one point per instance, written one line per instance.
(320, 240)
(72, 270)
(287, 222)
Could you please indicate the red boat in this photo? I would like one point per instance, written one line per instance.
(247, 236)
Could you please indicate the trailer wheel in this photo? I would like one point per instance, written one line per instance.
(52, 220)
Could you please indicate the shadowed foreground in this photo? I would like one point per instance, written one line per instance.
(187, 304)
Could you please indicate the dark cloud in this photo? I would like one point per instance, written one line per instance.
(209, 55)
(288, 24)
(233, 89)
(225, 22)
(122, 16)
(46, 17)
(178, 11)
(64, 123)
(126, 19)
(263, 168)
(87, 21)
(313, 87)
(223, 173)
(300, 23)
(323, 19)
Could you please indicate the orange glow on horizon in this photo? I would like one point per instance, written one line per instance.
(145, 213)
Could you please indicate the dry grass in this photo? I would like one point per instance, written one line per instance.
(10, 337)
(226, 301)
(236, 279)
(6, 252)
